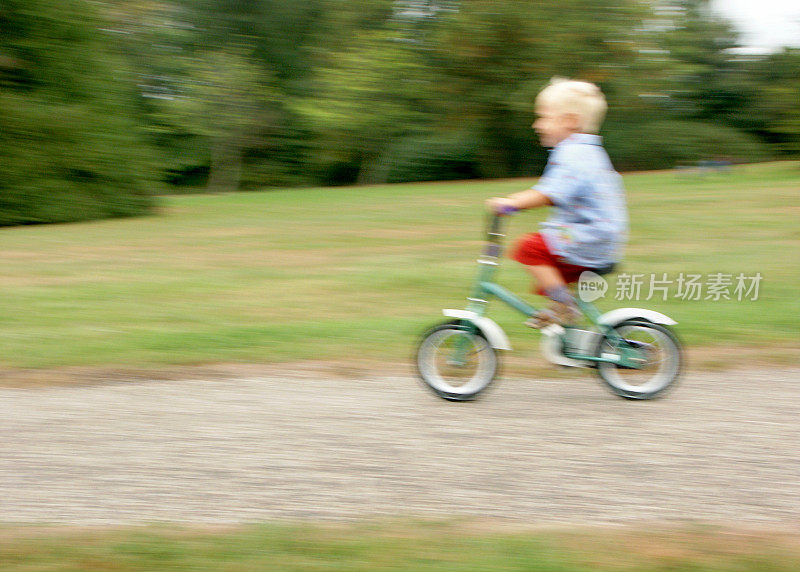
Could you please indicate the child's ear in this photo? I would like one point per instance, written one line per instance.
(572, 121)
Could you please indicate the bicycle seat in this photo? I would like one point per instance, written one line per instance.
(608, 269)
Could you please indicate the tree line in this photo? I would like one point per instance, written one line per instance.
(104, 103)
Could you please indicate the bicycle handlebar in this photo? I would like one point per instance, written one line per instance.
(495, 223)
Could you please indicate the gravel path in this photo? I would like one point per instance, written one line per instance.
(722, 447)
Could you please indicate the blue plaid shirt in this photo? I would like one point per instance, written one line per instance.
(588, 223)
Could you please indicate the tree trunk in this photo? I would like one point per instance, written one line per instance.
(226, 165)
(374, 170)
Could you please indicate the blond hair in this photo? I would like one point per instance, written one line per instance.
(579, 97)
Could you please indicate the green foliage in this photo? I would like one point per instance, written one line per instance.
(669, 143)
(704, 77)
(102, 99)
(371, 95)
(772, 108)
(435, 157)
(488, 59)
(69, 148)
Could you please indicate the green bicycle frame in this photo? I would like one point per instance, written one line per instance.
(485, 288)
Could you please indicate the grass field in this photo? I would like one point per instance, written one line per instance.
(450, 545)
(359, 272)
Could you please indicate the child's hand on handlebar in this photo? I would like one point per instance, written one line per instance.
(501, 205)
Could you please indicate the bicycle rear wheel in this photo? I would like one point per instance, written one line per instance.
(661, 351)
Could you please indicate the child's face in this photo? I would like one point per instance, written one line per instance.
(553, 126)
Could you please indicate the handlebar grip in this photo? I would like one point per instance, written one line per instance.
(506, 210)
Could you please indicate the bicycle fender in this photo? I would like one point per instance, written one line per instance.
(621, 314)
(493, 333)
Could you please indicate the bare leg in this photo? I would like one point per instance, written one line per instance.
(546, 277)
(550, 281)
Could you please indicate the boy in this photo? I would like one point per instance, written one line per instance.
(588, 224)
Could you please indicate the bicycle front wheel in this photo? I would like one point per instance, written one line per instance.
(456, 361)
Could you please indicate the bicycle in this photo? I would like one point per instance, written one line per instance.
(633, 350)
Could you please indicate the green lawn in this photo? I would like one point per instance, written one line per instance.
(420, 546)
(358, 272)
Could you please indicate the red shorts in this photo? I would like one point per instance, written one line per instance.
(531, 250)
